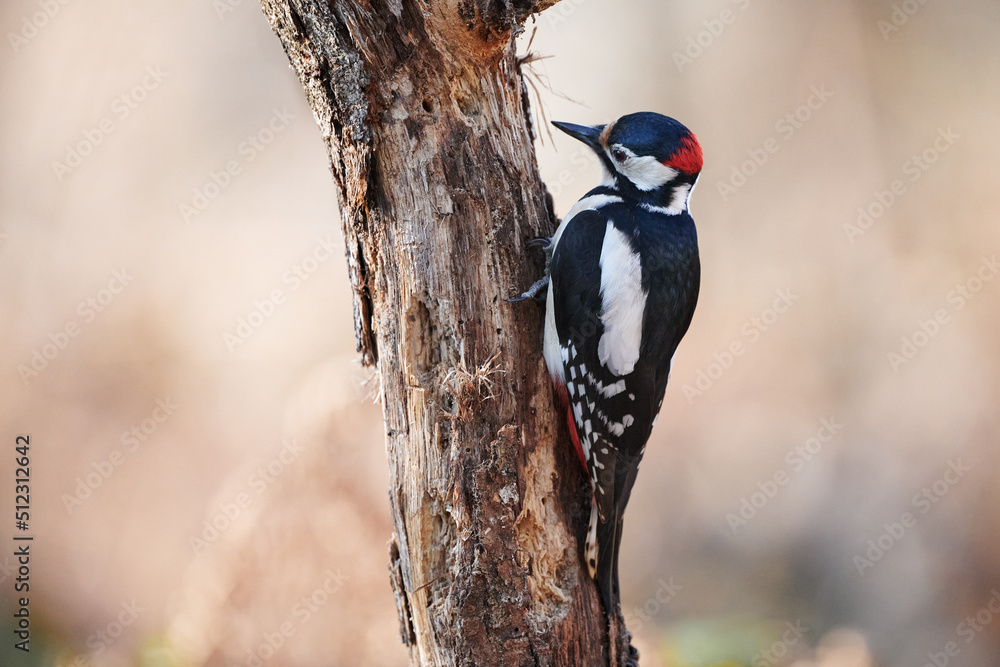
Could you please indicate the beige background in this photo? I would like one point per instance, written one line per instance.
(275, 438)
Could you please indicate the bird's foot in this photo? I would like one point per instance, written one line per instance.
(535, 292)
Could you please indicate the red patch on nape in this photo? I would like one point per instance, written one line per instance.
(688, 157)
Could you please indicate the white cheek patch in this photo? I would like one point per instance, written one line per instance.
(678, 201)
(646, 172)
(680, 197)
(687, 202)
(623, 303)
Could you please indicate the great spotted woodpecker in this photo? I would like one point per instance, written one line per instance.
(623, 283)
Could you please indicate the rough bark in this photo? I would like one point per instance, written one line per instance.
(422, 109)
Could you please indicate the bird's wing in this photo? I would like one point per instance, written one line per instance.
(600, 405)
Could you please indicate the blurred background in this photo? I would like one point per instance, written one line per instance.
(207, 465)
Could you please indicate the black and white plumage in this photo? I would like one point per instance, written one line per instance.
(623, 284)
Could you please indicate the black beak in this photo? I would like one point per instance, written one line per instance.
(588, 134)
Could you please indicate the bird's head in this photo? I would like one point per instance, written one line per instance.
(647, 151)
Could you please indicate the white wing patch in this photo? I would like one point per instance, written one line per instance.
(591, 203)
(623, 303)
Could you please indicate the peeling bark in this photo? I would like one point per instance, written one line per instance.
(422, 111)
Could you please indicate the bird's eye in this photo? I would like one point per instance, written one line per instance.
(618, 154)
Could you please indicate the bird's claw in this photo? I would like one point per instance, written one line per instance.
(545, 244)
(539, 286)
(532, 292)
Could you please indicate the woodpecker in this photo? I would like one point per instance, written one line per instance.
(623, 282)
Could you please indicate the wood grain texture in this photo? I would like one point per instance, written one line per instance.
(422, 109)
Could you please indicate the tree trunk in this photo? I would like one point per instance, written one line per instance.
(425, 119)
